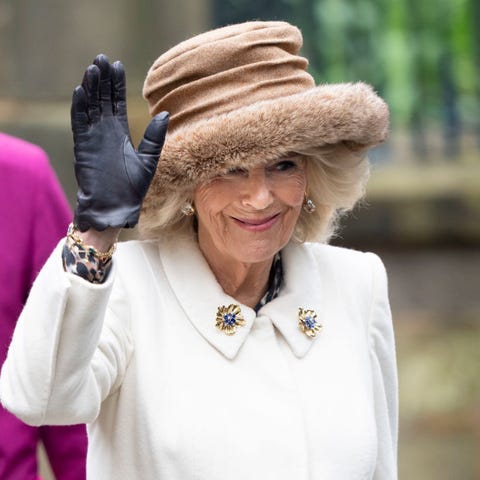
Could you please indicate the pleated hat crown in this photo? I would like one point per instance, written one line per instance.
(240, 96)
(226, 69)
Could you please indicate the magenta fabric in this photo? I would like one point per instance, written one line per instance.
(34, 215)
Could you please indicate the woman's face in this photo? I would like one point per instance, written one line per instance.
(249, 215)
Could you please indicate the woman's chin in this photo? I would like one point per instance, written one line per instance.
(255, 251)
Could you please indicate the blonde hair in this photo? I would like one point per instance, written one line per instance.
(336, 175)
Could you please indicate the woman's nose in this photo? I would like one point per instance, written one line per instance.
(257, 192)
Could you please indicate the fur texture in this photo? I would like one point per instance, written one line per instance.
(347, 114)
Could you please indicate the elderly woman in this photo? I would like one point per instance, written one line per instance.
(231, 342)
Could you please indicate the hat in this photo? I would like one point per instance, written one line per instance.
(240, 96)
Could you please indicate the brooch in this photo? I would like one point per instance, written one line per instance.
(307, 322)
(229, 318)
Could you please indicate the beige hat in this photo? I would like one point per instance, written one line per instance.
(240, 95)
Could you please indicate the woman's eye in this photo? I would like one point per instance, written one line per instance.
(284, 165)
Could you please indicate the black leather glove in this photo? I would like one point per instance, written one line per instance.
(112, 176)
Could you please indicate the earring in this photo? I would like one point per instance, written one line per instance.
(308, 205)
(187, 209)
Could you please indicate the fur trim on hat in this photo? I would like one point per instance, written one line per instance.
(351, 114)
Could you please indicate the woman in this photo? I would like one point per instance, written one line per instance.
(225, 345)
(35, 214)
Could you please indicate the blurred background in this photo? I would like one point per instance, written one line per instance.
(422, 210)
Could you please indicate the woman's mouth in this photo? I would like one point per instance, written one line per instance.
(256, 224)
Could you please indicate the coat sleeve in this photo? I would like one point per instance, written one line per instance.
(70, 348)
(384, 373)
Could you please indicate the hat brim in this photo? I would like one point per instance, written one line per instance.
(347, 114)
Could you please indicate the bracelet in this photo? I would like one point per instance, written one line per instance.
(80, 261)
(102, 256)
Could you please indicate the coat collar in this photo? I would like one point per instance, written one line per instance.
(200, 295)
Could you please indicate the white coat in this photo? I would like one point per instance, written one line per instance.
(169, 396)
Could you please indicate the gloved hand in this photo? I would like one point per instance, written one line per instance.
(112, 176)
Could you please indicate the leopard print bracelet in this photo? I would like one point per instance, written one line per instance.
(103, 256)
(84, 261)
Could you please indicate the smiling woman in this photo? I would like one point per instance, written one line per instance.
(244, 218)
(231, 325)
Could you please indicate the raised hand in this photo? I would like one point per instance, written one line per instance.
(112, 176)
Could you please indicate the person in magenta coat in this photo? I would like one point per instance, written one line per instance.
(34, 214)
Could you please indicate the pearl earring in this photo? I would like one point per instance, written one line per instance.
(187, 209)
(308, 205)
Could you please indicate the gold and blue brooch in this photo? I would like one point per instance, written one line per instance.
(229, 318)
(308, 323)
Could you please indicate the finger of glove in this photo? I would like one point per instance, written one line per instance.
(78, 111)
(90, 84)
(154, 136)
(119, 95)
(119, 89)
(105, 88)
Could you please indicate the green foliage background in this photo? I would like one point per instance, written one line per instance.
(423, 57)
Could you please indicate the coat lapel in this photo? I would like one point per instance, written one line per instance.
(200, 296)
(301, 289)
